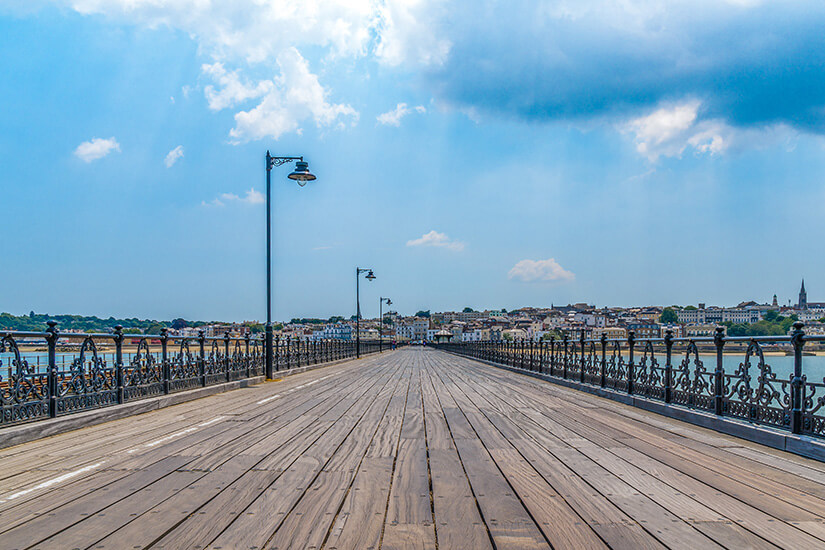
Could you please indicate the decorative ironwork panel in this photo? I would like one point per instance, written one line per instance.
(591, 363)
(692, 383)
(238, 362)
(256, 358)
(574, 364)
(616, 368)
(143, 374)
(764, 399)
(24, 391)
(214, 366)
(89, 383)
(648, 375)
(184, 368)
(813, 407)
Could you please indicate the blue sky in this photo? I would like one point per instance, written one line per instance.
(492, 155)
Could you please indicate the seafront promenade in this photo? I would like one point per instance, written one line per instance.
(414, 448)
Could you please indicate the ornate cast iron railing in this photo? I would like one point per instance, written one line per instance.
(726, 376)
(40, 379)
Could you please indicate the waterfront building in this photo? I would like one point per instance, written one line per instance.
(693, 331)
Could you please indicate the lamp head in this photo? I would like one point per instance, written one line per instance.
(301, 174)
(389, 302)
(370, 276)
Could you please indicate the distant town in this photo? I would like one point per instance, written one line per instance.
(749, 318)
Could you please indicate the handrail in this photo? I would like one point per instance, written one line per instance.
(139, 367)
(677, 370)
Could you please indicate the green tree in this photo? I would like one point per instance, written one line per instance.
(772, 316)
(423, 314)
(256, 328)
(154, 328)
(468, 310)
(178, 324)
(668, 316)
(507, 337)
(690, 308)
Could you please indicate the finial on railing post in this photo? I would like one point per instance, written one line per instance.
(798, 380)
(719, 374)
(118, 338)
(51, 339)
(668, 365)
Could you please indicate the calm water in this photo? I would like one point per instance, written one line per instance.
(812, 366)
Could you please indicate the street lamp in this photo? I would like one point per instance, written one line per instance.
(381, 321)
(370, 277)
(302, 175)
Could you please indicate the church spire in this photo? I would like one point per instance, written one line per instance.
(803, 297)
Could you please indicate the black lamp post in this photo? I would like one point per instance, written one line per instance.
(302, 175)
(370, 277)
(381, 321)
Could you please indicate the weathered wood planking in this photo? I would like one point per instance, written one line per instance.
(408, 449)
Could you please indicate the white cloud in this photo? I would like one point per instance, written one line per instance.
(540, 270)
(95, 149)
(232, 90)
(173, 156)
(434, 238)
(410, 30)
(395, 31)
(290, 98)
(393, 118)
(252, 197)
(671, 129)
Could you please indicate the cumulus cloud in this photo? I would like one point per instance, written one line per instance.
(252, 197)
(293, 96)
(540, 270)
(95, 149)
(671, 129)
(232, 89)
(393, 117)
(173, 156)
(440, 240)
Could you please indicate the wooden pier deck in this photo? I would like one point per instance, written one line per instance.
(410, 449)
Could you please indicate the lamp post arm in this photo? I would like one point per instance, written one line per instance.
(274, 162)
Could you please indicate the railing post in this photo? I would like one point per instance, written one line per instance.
(202, 361)
(119, 361)
(552, 354)
(719, 374)
(798, 380)
(631, 374)
(51, 340)
(581, 358)
(246, 354)
(227, 362)
(668, 365)
(603, 365)
(164, 354)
